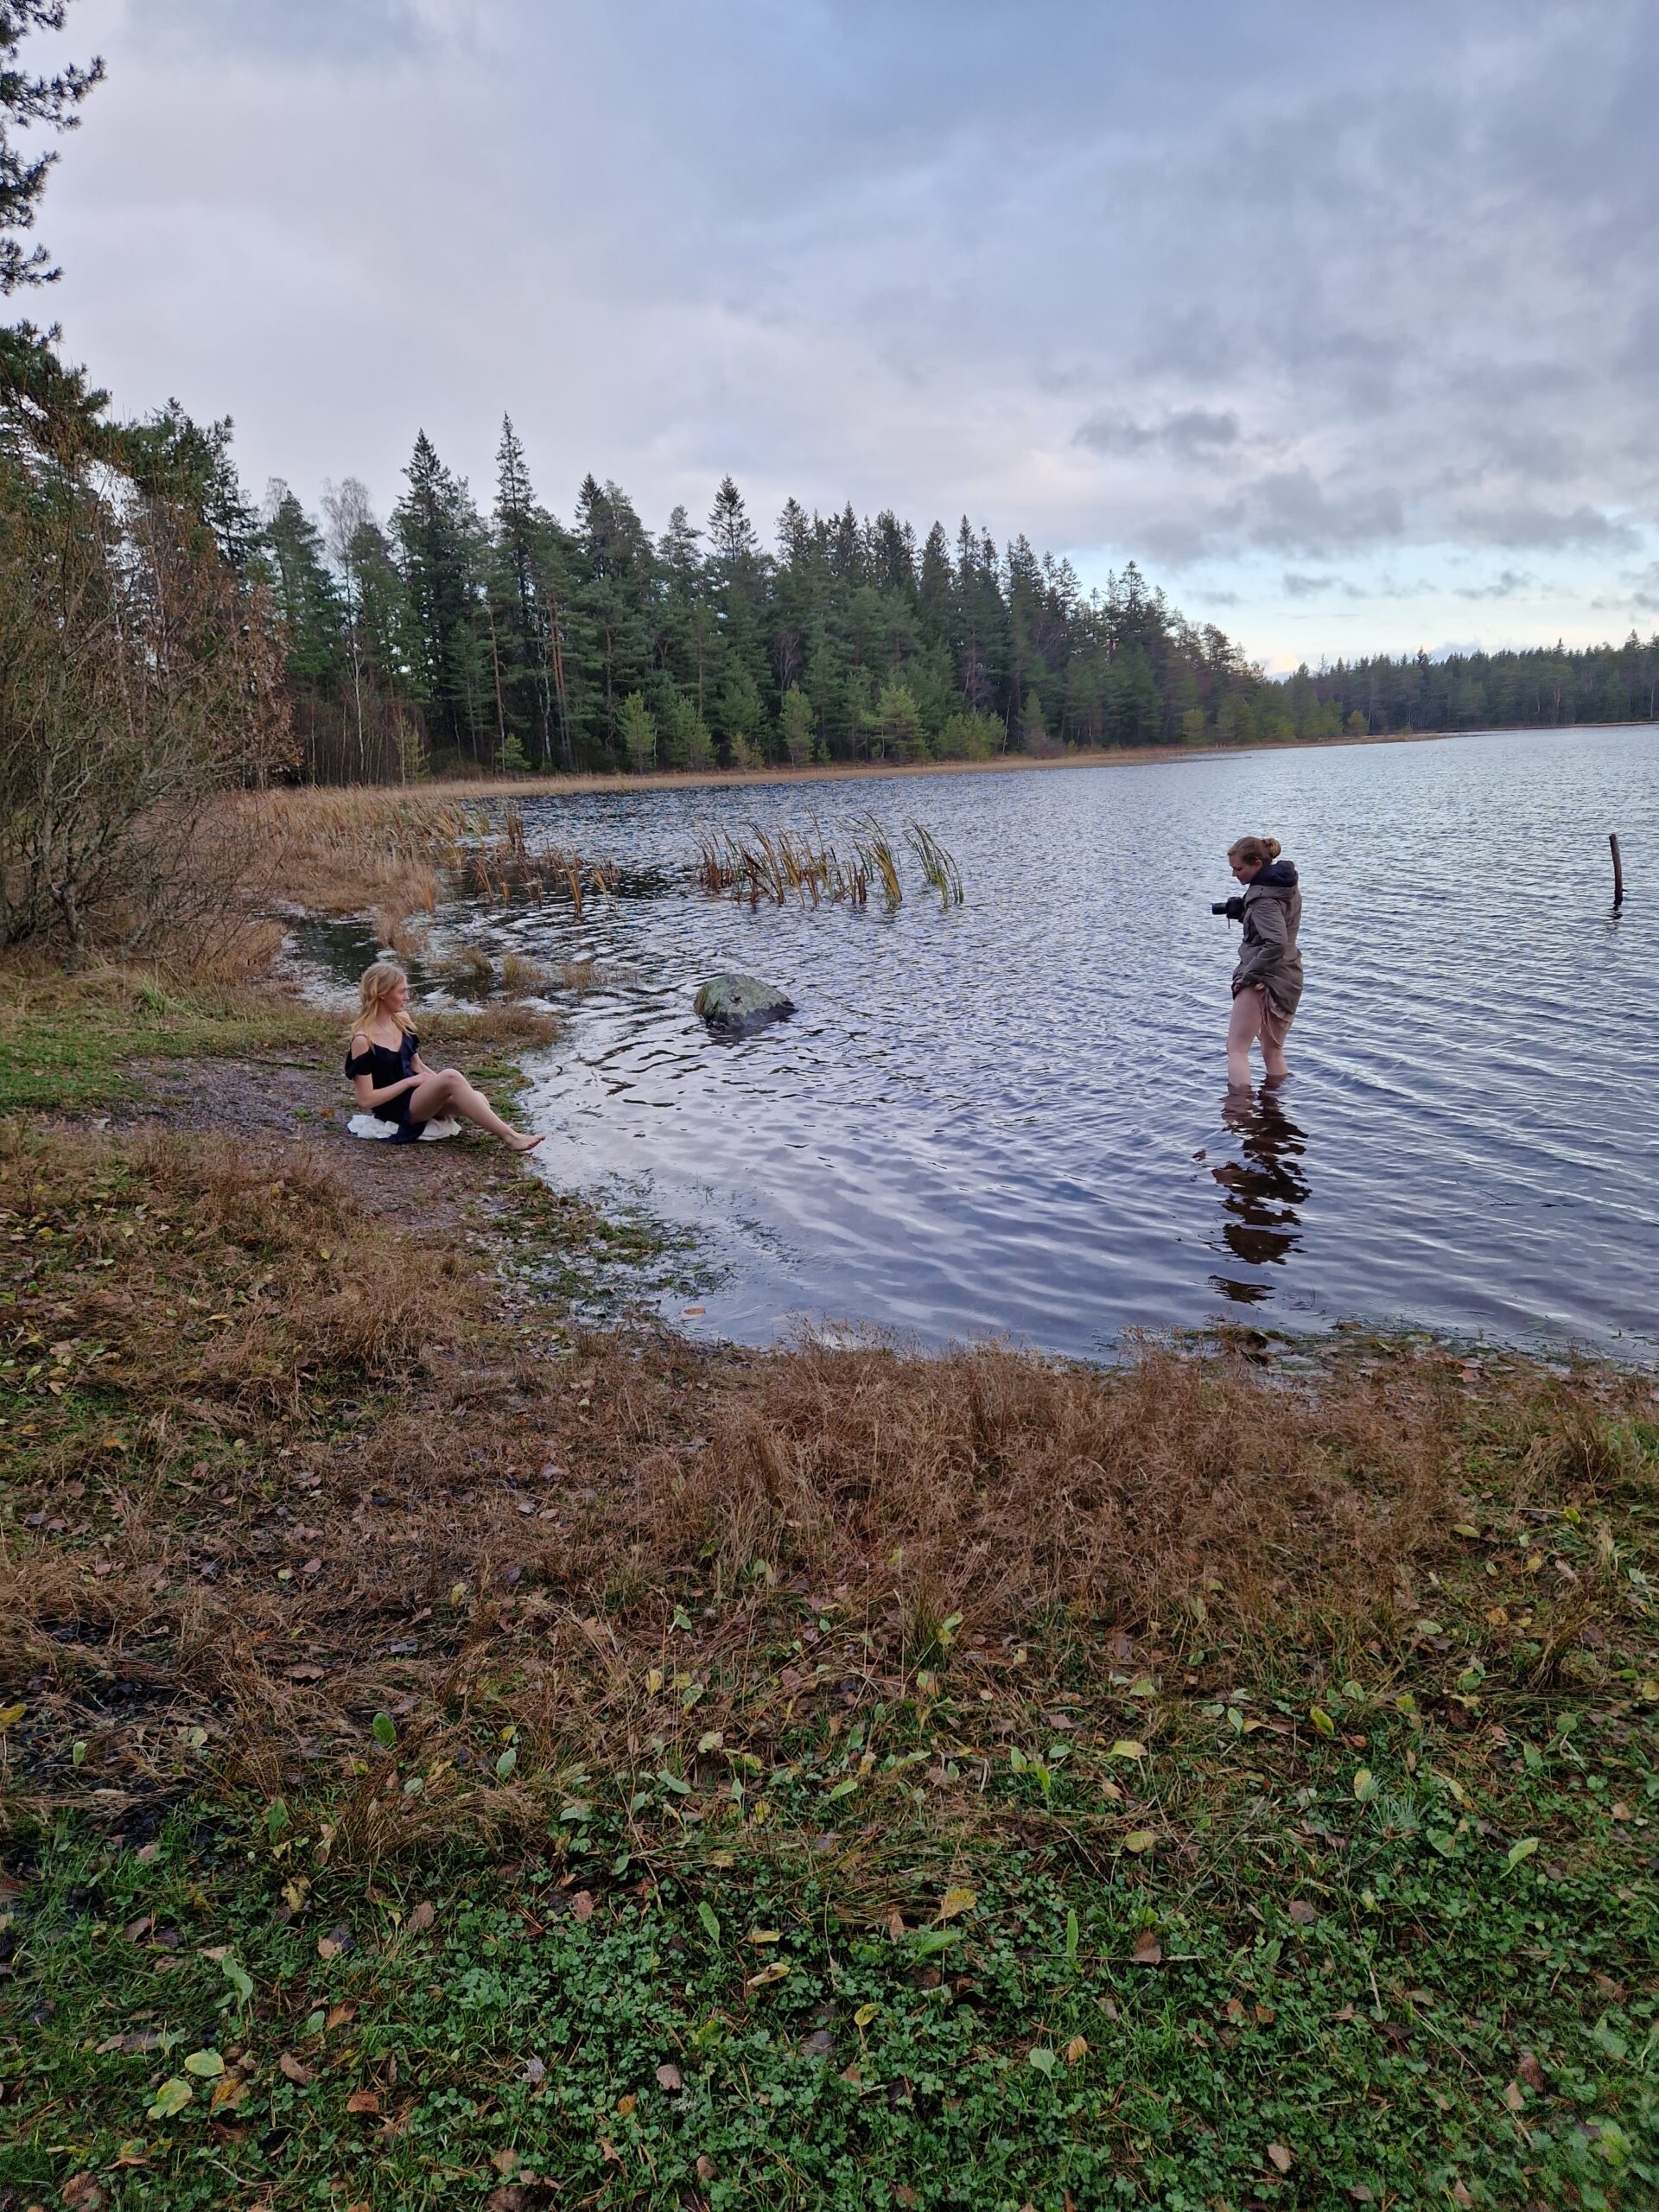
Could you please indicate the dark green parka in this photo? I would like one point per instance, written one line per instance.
(1268, 959)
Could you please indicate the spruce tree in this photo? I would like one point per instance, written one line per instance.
(28, 102)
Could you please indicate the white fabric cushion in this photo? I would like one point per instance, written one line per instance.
(371, 1125)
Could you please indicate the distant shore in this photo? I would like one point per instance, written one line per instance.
(838, 771)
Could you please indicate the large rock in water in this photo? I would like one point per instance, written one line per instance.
(733, 1004)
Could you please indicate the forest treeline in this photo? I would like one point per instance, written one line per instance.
(514, 639)
(511, 640)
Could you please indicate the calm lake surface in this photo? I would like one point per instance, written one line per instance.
(1009, 1117)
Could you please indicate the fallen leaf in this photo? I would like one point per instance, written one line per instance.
(765, 1935)
(705, 2167)
(504, 2161)
(1148, 1951)
(775, 1971)
(205, 2065)
(363, 2101)
(1360, 2193)
(1458, 2194)
(1041, 2058)
(1140, 1839)
(1127, 1748)
(1518, 1852)
(135, 2153)
(1322, 1721)
(295, 2069)
(339, 2015)
(1515, 2097)
(170, 2098)
(582, 1904)
(421, 1918)
(1280, 2156)
(625, 2106)
(534, 2070)
(669, 2077)
(82, 2194)
(228, 2094)
(955, 1902)
(1532, 2074)
(1077, 2050)
(1302, 1913)
(865, 2014)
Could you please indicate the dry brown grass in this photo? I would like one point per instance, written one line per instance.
(300, 1468)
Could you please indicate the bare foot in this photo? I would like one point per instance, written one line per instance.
(523, 1144)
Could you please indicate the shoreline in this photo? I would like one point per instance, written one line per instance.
(594, 783)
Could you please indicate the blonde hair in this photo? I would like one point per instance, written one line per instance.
(378, 984)
(1244, 851)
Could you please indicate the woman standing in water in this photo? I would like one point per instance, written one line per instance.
(1267, 980)
(393, 1082)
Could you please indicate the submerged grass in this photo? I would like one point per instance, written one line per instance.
(438, 1768)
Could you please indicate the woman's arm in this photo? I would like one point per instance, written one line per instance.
(368, 1098)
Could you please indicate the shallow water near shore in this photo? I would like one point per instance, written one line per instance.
(1009, 1117)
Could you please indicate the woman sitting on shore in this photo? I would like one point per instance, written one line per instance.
(1267, 980)
(388, 1076)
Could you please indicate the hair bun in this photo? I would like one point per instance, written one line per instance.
(1272, 846)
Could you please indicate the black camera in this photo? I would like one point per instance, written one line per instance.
(1233, 908)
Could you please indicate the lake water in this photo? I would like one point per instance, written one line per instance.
(1009, 1116)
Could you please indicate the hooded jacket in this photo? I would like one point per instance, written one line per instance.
(1268, 959)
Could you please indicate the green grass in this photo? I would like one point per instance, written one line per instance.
(68, 1048)
(1379, 1990)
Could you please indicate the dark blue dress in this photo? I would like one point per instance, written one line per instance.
(382, 1066)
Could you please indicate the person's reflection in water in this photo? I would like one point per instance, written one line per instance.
(1263, 1191)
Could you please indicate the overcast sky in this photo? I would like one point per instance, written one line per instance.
(1342, 320)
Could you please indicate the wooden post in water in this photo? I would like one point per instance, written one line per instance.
(1618, 871)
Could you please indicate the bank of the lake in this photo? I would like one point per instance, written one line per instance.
(581, 784)
(453, 1755)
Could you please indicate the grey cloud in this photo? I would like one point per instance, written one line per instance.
(1288, 510)
(1192, 433)
(1305, 586)
(1506, 586)
(1521, 524)
(305, 30)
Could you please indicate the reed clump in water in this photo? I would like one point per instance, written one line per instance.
(772, 867)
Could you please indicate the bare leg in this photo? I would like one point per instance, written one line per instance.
(1242, 1032)
(448, 1092)
(1275, 1027)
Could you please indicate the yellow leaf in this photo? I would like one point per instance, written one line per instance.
(1364, 1785)
(1127, 1748)
(765, 1935)
(625, 2106)
(654, 1680)
(775, 1971)
(1322, 1721)
(1076, 2049)
(865, 2014)
(954, 1901)
(1466, 1528)
(12, 1713)
(1141, 1840)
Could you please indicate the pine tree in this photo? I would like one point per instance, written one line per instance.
(523, 628)
(795, 721)
(26, 102)
(440, 538)
(638, 734)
